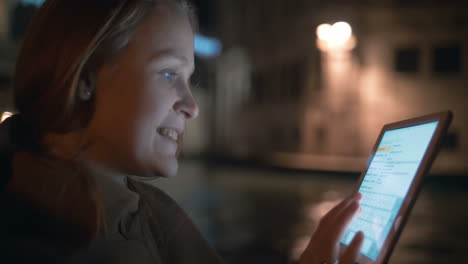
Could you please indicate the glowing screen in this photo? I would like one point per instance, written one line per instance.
(386, 183)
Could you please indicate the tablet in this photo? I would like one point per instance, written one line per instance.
(402, 155)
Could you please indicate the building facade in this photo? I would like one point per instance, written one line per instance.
(307, 109)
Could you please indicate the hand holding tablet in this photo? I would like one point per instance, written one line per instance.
(390, 185)
(323, 247)
(369, 222)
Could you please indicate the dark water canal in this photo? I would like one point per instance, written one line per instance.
(264, 215)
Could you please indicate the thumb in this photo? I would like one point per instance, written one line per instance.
(351, 253)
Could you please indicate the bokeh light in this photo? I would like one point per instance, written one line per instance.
(338, 36)
(5, 115)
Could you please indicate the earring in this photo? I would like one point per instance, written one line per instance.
(84, 91)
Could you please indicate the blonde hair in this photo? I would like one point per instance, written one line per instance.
(66, 40)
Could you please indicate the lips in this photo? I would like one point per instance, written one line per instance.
(169, 133)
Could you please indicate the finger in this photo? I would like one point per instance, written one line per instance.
(343, 220)
(355, 197)
(338, 209)
(334, 224)
(351, 253)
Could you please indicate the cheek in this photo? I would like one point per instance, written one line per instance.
(150, 115)
(138, 103)
(153, 155)
(128, 112)
(154, 103)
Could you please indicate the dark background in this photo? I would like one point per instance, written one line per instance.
(286, 126)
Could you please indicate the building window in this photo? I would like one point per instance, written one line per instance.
(284, 137)
(451, 141)
(282, 83)
(4, 81)
(447, 59)
(407, 60)
(258, 85)
(293, 75)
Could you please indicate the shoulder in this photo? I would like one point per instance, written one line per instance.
(160, 203)
(151, 193)
(183, 242)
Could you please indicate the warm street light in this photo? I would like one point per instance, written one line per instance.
(341, 32)
(336, 37)
(324, 31)
(5, 115)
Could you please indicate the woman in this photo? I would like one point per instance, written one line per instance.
(102, 88)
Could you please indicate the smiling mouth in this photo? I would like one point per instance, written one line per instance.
(169, 133)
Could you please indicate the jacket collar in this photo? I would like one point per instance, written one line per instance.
(118, 200)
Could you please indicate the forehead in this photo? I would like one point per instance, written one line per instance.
(166, 28)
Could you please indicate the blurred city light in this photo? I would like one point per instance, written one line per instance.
(338, 36)
(206, 46)
(323, 32)
(340, 32)
(5, 115)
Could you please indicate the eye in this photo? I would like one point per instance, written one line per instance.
(170, 75)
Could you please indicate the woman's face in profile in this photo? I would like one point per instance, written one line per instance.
(143, 97)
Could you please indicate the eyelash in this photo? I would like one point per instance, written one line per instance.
(171, 76)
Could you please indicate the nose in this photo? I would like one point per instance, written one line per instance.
(187, 106)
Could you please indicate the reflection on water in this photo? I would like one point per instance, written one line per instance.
(258, 215)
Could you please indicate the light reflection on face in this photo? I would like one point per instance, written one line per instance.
(143, 98)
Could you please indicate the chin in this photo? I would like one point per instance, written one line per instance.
(168, 169)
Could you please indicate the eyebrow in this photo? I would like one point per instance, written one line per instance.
(168, 54)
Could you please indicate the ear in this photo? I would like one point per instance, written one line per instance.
(86, 86)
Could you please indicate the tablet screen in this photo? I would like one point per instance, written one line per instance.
(386, 183)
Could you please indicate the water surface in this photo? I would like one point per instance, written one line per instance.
(264, 215)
